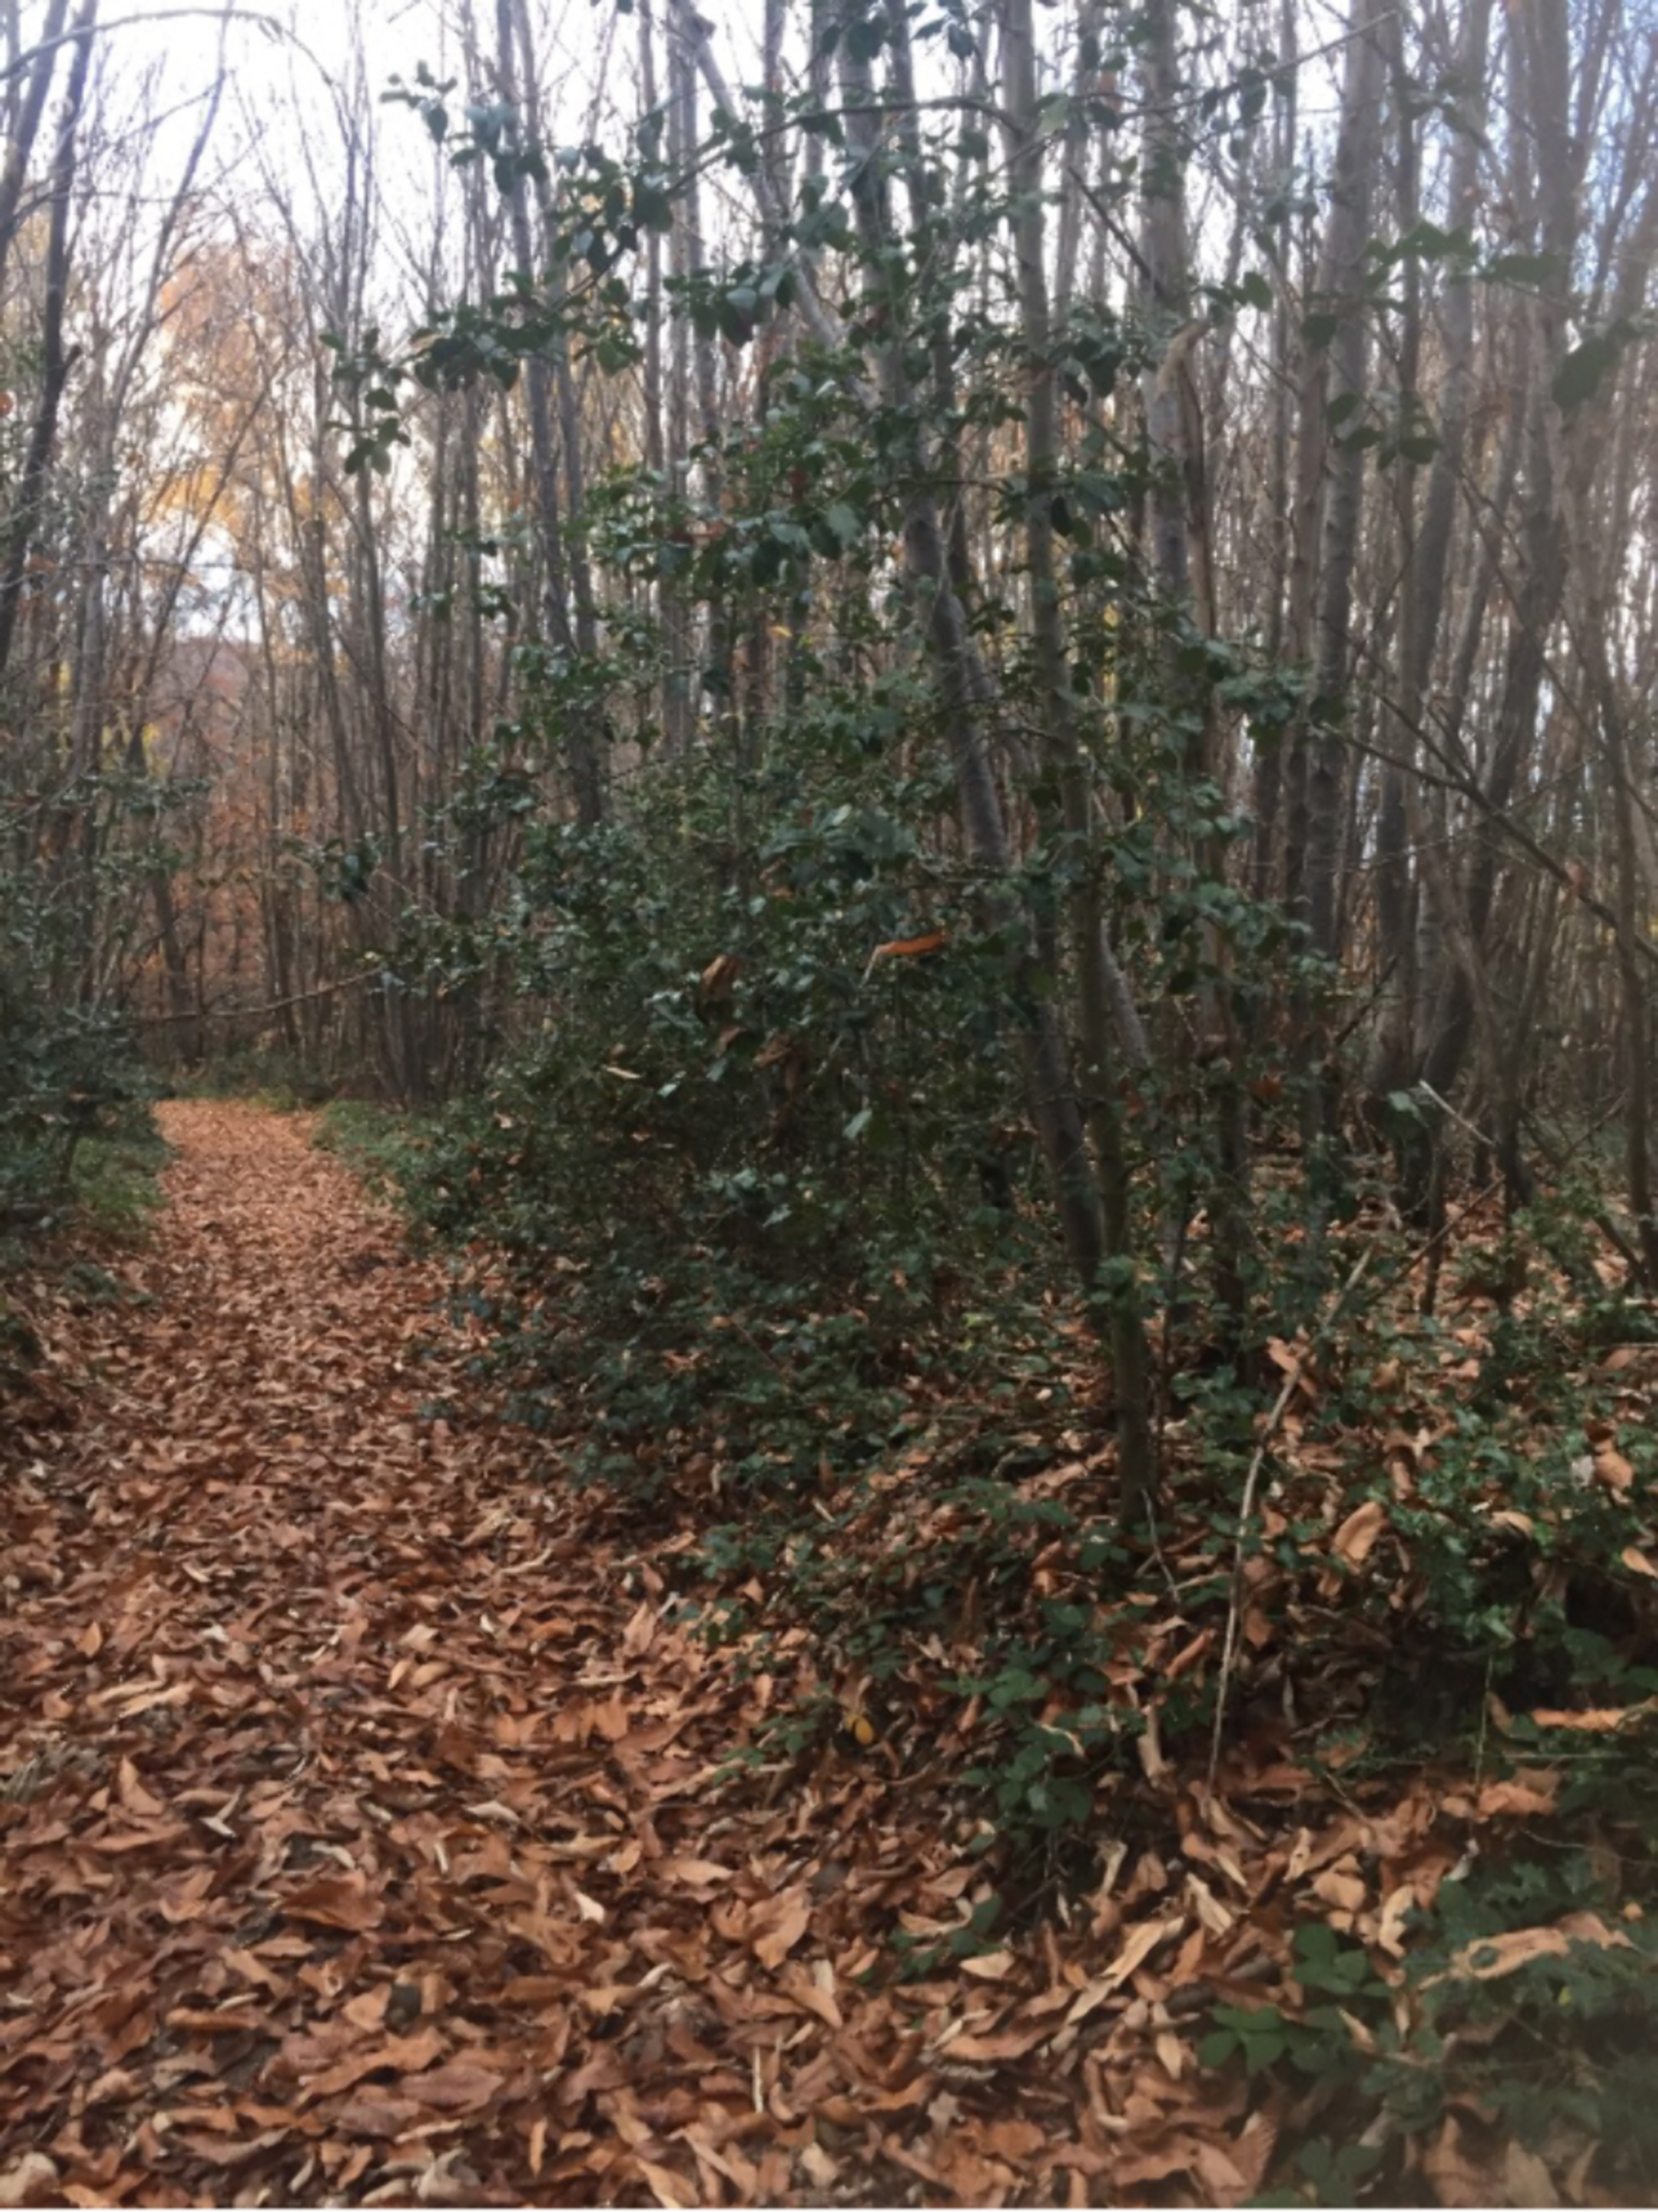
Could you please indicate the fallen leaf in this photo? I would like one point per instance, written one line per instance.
(1494, 1957)
(1536, 1795)
(991, 2050)
(667, 2187)
(134, 1795)
(335, 1902)
(32, 2180)
(989, 1966)
(696, 1874)
(1612, 1469)
(1136, 1948)
(402, 2054)
(908, 948)
(1598, 1720)
(461, 2085)
(1355, 1538)
(783, 1929)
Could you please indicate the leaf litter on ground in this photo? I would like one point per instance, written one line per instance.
(376, 1830)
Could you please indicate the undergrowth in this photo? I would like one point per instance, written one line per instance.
(895, 1501)
(102, 1203)
(754, 1244)
(266, 1075)
(105, 1192)
(379, 1144)
(114, 1187)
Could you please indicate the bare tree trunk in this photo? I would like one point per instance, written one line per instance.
(652, 379)
(581, 746)
(569, 412)
(1136, 1458)
(1423, 581)
(1269, 759)
(679, 694)
(1339, 383)
(24, 124)
(1540, 70)
(1183, 572)
(1075, 147)
(55, 362)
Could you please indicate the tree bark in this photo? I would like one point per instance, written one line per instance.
(1131, 1362)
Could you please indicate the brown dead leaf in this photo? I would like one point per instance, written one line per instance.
(775, 1935)
(140, 1839)
(696, 1874)
(1341, 1886)
(989, 1966)
(1459, 2176)
(401, 2055)
(1599, 1720)
(32, 2180)
(1526, 2179)
(992, 2049)
(1149, 1746)
(1136, 1948)
(461, 2085)
(816, 1992)
(1355, 1538)
(1612, 1469)
(367, 2011)
(1494, 1957)
(134, 1795)
(1532, 1794)
(335, 1902)
(908, 948)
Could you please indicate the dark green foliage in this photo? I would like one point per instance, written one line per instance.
(68, 1074)
(770, 1045)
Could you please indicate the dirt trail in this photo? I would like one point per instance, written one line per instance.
(366, 1828)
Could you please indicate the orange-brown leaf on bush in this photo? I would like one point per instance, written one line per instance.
(1598, 1720)
(1494, 1957)
(1355, 1538)
(1612, 1469)
(719, 978)
(908, 948)
(1532, 1793)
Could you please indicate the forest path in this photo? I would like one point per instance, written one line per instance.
(367, 1826)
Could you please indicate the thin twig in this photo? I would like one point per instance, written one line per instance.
(243, 1014)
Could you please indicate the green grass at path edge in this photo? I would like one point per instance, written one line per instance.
(377, 1142)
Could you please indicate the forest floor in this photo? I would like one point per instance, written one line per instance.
(371, 1833)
